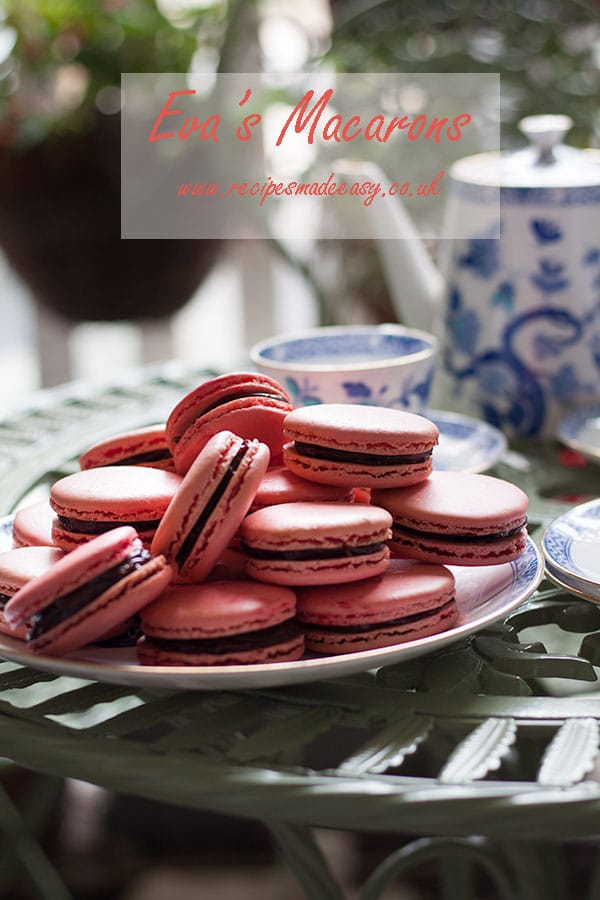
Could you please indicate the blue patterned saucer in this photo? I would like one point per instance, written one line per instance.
(580, 430)
(571, 549)
(465, 444)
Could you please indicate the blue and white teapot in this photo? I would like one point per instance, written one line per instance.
(518, 315)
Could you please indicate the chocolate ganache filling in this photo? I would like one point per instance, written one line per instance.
(67, 605)
(194, 533)
(81, 526)
(400, 531)
(150, 456)
(4, 598)
(342, 552)
(315, 451)
(377, 626)
(249, 640)
(229, 398)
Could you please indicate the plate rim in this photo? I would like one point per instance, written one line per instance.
(546, 553)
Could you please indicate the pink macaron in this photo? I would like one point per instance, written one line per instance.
(359, 446)
(316, 543)
(32, 525)
(141, 447)
(221, 623)
(88, 592)
(410, 601)
(17, 568)
(458, 518)
(279, 485)
(91, 502)
(210, 504)
(250, 405)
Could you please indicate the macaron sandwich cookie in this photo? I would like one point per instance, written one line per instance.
(248, 404)
(410, 601)
(359, 446)
(141, 447)
(17, 568)
(93, 501)
(316, 543)
(32, 525)
(458, 518)
(221, 623)
(279, 485)
(210, 504)
(88, 592)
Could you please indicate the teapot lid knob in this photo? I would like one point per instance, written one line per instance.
(545, 132)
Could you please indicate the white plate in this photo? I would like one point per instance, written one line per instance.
(465, 444)
(573, 585)
(571, 546)
(580, 430)
(484, 594)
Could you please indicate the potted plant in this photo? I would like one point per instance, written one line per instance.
(60, 70)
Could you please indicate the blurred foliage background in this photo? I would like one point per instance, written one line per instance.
(546, 51)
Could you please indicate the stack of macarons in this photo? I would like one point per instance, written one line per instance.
(244, 531)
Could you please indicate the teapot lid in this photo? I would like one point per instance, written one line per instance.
(546, 162)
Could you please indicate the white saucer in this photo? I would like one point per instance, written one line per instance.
(571, 547)
(580, 430)
(465, 444)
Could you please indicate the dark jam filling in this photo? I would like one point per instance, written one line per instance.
(4, 598)
(251, 640)
(314, 451)
(193, 535)
(80, 526)
(376, 626)
(399, 531)
(150, 456)
(313, 553)
(67, 605)
(229, 398)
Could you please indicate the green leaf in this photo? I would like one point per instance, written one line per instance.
(388, 747)
(480, 752)
(571, 754)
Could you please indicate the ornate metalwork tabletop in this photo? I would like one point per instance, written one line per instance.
(496, 736)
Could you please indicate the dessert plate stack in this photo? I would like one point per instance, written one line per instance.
(571, 546)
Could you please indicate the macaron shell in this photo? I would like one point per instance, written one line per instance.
(457, 502)
(123, 600)
(72, 571)
(365, 429)
(196, 493)
(32, 525)
(220, 390)
(138, 442)
(459, 553)
(217, 609)
(408, 588)
(70, 540)
(324, 642)
(356, 474)
(115, 493)
(21, 565)
(17, 568)
(285, 651)
(259, 419)
(300, 526)
(323, 571)
(280, 485)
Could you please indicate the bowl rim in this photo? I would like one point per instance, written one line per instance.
(391, 328)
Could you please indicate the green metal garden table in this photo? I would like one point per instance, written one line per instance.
(483, 754)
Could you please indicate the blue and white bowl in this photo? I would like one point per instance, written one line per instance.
(377, 365)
